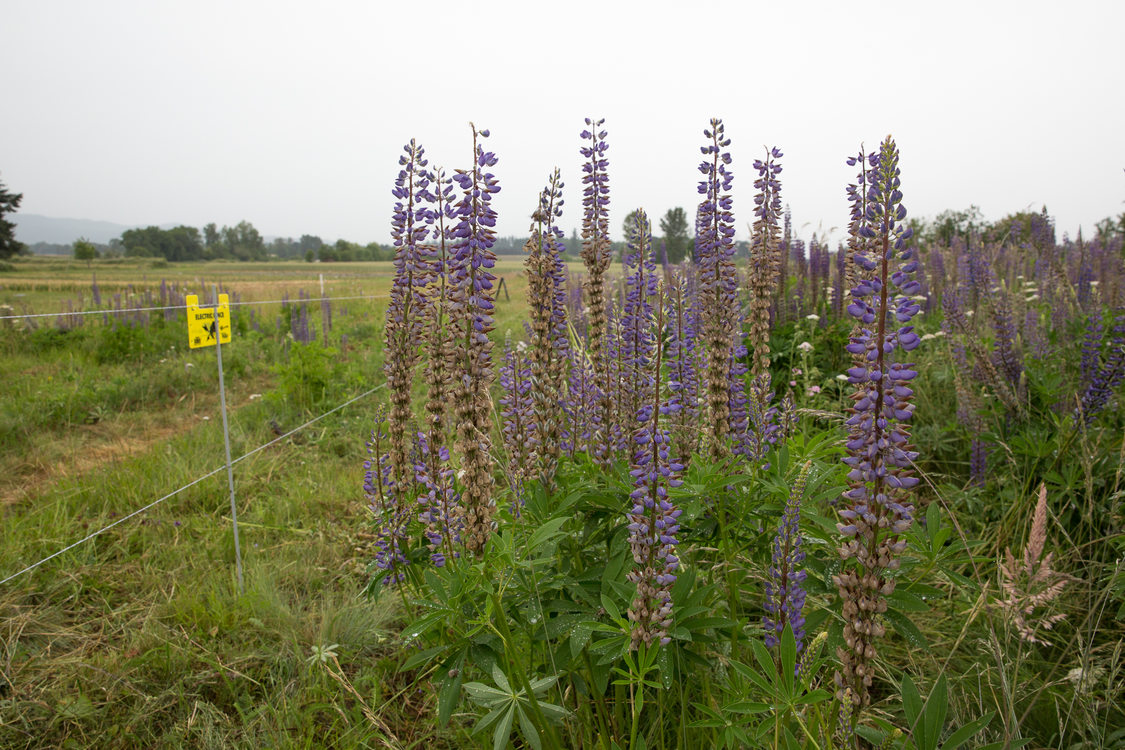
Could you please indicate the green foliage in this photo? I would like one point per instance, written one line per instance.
(85, 250)
(9, 204)
(181, 243)
(677, 237)
(312, 377)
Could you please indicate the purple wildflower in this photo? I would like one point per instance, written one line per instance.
(764, 256)
(391, 516)
(438, 502)
(636, 342)
(653, 519)
(518, 428)
(471, 305)
(596, 248)
(1109, 374)
(437, 332)
(683, 379)
(718, 283)
(785, 595)
(878, 509)
(547, 301)
(404, 320)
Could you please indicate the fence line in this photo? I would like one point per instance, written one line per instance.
(184, 307)
(192, 483)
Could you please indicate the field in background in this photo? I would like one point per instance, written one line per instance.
(138, 637)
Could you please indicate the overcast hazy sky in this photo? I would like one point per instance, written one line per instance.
(292, 115)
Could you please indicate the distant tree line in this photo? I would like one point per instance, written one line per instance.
(240, 242)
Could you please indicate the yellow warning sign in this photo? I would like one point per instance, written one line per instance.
(204, 323)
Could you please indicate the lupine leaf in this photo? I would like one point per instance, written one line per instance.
(529, 732)
(500, 678)
(907, 629)
(504, 728)
(934, 715)
(962, 735)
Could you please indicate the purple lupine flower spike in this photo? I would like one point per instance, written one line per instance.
(718, 283)
(438, 502)
(683, 378)
(876, 510)
(764, 257)
(438, 335)
(596, 256)
(636, 334)
(653, 519)
(1109, 374)
(404, 315)
(391, 512)
(471, 302)
(785, 593)
(547, 303)
(518, 425)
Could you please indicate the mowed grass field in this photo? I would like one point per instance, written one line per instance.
(139, 637)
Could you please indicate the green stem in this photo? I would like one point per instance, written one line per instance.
(636, 722)
(599, 706)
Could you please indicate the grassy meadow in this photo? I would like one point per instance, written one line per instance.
(138, 638)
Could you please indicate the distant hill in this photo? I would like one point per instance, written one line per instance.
(33, 228)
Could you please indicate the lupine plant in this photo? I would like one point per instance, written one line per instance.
(471, 295)
(546, 299)
(878, 508)
(718, 284)
(676, 559)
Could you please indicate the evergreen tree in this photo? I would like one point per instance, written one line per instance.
(9, 203)
(677, 241)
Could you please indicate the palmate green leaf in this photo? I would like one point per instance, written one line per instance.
(812, 698)
(504, 729)
(712, 719)
(422, 657)
(425, 623)
(485, 695)
(552, 712)
(763, 683)
(448, 697)
(529, 732)
(436, 585)
(500, 678)
(746, 707)
(768, 669)
(538, 686)
(548, 532)
(488, 719)
(611, 607)
(907, 629)
(579, 637)
(905, 600)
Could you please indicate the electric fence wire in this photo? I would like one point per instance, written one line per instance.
(192, 483)
(184, 307)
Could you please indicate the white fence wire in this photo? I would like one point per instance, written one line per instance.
(112, 311)
(191, 484)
